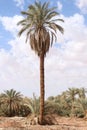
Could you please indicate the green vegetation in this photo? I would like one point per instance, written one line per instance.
(10, 102)
(72, 102)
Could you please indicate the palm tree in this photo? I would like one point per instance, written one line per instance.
(33, 104)
(41, 29)
(82, 93)
(71, 93)
(11, 99)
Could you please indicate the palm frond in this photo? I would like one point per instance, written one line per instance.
(38, 5)
(21, 22)
(21, 31)
(53, 38)
(50, 15)
(59, 28)
(45, 5)
(56, 20)
(25, 13)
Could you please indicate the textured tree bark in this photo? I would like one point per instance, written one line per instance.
(42, 88)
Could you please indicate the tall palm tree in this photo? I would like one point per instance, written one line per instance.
(41, 29)
(11, 99)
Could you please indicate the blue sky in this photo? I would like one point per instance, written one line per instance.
(13, 7)
(65, 64)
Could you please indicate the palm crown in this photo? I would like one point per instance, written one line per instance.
(11, 99)
(40, 26)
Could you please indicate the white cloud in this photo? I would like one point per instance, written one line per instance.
(75, 28)
(65, 66)
(19, 3)
(59, 4)
(10, 23)
(19, 68)
(82, 5)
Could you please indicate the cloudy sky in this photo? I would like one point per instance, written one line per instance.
(66, 62)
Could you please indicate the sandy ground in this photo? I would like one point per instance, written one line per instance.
(61, 123)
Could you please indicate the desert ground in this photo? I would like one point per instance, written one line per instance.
(59, 123)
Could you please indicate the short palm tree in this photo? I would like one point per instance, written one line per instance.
(41, 29)
(71, 93)
(82, 93)
(33, 104)
(11, 99)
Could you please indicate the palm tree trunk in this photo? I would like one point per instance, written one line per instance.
(10, 110)
(42, 87)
